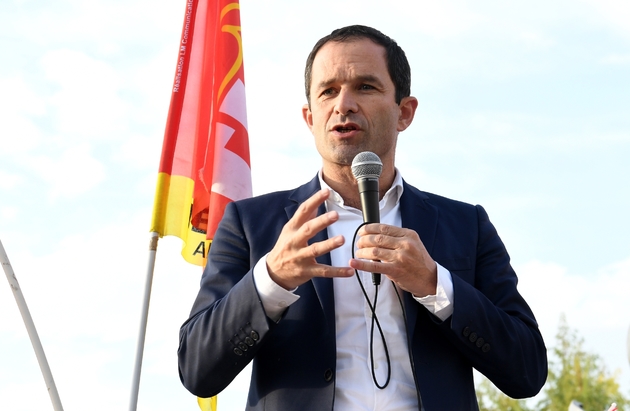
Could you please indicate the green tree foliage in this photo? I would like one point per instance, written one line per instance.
(491, 399)
(574, 374)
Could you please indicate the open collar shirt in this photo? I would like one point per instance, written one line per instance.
(354, 385)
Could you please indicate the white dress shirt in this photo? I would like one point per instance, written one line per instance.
(354, 386)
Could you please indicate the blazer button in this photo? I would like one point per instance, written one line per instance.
(472, 337)
(480, 342)
(249, 341)
(328, 375)
(254, 335)
(238, 352)
(243, 346)
(486, 347)
(466, 331)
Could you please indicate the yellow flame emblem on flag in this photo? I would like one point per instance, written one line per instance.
(236, 32)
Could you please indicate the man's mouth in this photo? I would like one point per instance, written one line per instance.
(345, 129)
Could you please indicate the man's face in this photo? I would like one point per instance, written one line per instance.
(353, 107)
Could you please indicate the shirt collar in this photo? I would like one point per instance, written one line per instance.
(389, 201)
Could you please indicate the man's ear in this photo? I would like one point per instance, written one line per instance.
(408, 106)
(308, 116)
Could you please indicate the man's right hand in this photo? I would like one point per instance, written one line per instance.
(292, 262)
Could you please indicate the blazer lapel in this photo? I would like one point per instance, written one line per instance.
(323, 286)
(419, 215)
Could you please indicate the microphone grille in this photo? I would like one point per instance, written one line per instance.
(366, 165)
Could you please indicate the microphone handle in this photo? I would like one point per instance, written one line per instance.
(368, 190)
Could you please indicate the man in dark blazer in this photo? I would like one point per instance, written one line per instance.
(358, 91)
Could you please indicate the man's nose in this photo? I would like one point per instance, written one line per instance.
(346, 102)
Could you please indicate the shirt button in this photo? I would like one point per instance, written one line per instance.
(282, 304)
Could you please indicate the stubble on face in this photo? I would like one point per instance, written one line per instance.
(343, 151)
(353, 106)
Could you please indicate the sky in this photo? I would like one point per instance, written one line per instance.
(524, 108)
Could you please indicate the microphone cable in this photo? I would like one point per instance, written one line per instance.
(374, 321)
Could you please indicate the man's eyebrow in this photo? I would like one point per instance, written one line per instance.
(367, 78)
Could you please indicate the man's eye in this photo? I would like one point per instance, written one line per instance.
(366, 87)
(328, 92)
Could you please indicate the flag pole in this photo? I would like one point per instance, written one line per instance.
(135, 387)
(32, 332)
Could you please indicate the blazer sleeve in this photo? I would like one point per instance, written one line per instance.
(227, 324)
(492, 325)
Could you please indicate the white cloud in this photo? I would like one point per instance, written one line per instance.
(9, 180)
(616, 60)
(20, 105)
(140, 152)
(106, 25)
(18, 96)
(87, 104)
(152, 81)
(588, 301)
(442, 19)
(25, 396)
(534, 40)
(616, 14)
(72, 173)
(9, 213)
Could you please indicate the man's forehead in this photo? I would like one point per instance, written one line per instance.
(362, 57)
(360, 43)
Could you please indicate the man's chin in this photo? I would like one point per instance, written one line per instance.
(345, 155)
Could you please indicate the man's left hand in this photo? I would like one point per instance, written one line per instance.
(399, 254)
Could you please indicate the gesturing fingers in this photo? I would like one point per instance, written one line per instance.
(291, 265)
(308, 209)
(292, 261)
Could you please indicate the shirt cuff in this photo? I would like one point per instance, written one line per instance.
(275, 299)
(440, 304)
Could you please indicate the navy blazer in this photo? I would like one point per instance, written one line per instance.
(492, 328)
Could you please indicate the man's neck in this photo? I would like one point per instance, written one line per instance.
(343, 183)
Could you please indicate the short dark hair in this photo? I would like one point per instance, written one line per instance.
(397, 64)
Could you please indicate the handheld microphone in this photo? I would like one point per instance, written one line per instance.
(366, 169)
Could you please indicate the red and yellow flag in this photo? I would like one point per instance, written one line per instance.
(205, 156)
